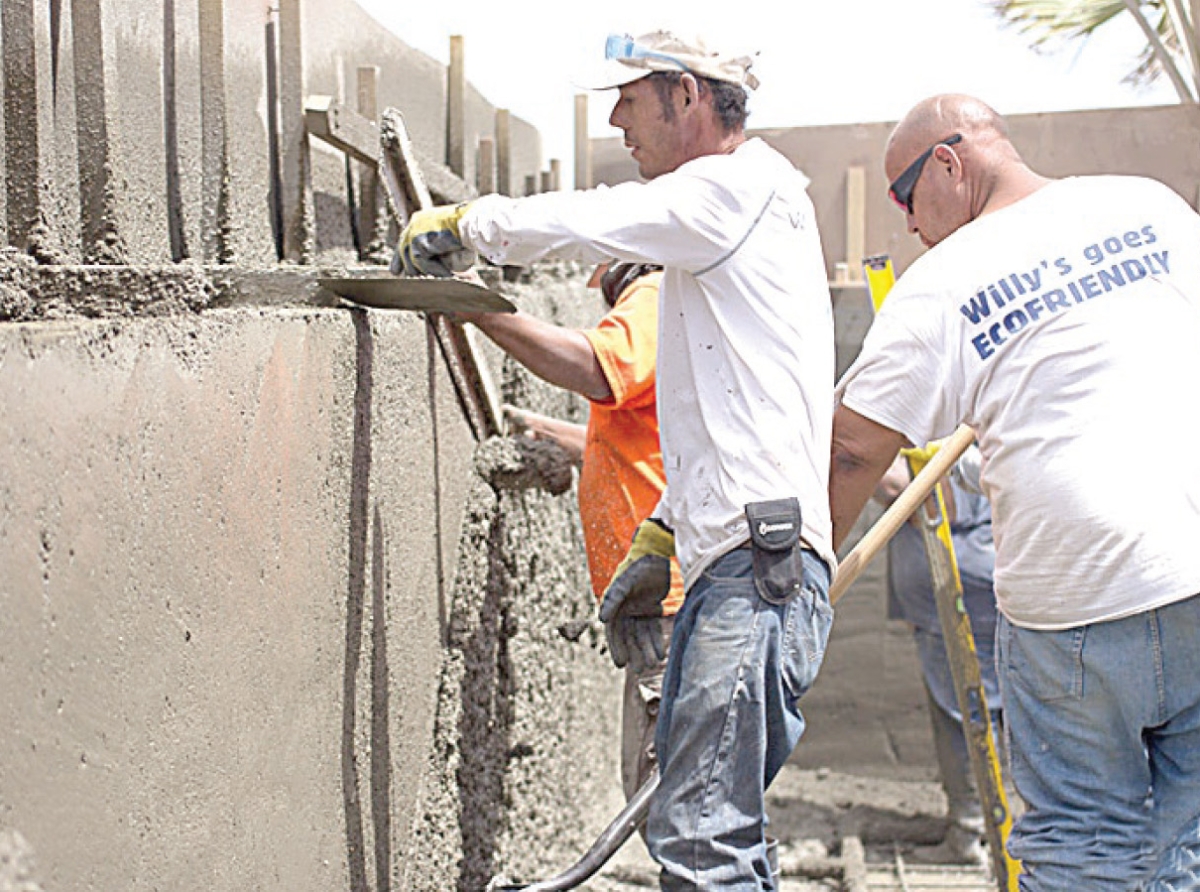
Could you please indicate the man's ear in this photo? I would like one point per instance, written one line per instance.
(946, 156)
(691, 89)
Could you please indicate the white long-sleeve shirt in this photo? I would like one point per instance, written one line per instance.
(746, 348)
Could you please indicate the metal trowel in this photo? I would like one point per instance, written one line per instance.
(429, 293)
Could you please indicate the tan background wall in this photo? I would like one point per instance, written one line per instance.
(1161, 142)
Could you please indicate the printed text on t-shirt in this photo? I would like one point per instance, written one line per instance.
(1017, 300)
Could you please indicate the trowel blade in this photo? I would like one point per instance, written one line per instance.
(441, 295)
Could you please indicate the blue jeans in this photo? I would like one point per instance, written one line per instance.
(1103, 725)
(729, 719)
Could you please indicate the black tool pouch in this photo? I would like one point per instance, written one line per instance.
(775, 546)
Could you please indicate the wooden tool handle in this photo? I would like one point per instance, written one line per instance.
(899, 511)
(408, 192)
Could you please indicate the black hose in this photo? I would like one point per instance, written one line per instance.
(623, 826)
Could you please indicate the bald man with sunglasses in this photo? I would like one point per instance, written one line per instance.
(1060, 319)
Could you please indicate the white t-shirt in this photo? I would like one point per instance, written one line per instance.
(1065, 329)
(745, 352)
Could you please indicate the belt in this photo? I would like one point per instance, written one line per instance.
(749, 546)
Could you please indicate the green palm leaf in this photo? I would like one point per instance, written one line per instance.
(1052, 22)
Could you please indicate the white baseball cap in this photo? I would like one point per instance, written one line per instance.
(626, 59)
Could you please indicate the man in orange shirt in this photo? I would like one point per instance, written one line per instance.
(621, 477)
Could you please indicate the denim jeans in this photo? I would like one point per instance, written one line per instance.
(729, 719)
(1179, 868)
(1103, 725)
(639, 717)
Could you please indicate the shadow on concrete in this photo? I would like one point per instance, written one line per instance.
(381, 747)
(360, 477)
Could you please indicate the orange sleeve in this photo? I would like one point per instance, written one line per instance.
(622, 476)
(625, 341)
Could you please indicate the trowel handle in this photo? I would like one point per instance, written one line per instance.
(900, 510)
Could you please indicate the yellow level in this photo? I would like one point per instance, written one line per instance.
(956, 632)
(880, 277)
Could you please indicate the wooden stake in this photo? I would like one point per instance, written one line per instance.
(456, 109)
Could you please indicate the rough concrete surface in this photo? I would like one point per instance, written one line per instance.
(266, 624)
(152, 133)
(18, 868)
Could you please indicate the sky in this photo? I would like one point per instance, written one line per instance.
(827, 62)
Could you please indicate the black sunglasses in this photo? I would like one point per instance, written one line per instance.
(901, 189)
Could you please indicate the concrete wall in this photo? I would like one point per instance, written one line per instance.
(146, 132)
(272, 619)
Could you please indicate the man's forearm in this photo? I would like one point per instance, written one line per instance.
(561, 356)
(862, 453)
(570, 436)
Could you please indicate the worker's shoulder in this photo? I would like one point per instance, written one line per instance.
(751, 161)
(639, 297)
(1128, 186)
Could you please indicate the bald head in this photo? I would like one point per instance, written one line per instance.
(960, 179)
(938, 117)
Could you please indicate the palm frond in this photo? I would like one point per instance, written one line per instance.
(1052, 22)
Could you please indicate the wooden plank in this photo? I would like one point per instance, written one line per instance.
(456, 109)
(408, 192)
(856, 222)
(343, 128)
(583, 145)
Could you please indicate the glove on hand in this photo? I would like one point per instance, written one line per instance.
(430, 244)
(631, 609)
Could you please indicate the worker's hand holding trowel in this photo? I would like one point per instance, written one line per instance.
(631, 609)
(430, 244)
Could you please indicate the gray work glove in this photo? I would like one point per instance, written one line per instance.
(631, 608)
(430, 244)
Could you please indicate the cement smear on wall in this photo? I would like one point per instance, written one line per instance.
(523, 774)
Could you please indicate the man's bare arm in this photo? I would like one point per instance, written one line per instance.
(862, 451)
(570, 436)
(561, 356)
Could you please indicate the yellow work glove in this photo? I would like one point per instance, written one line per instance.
(430, 244)
(923, 453)
(631, 608)
(919, 456)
